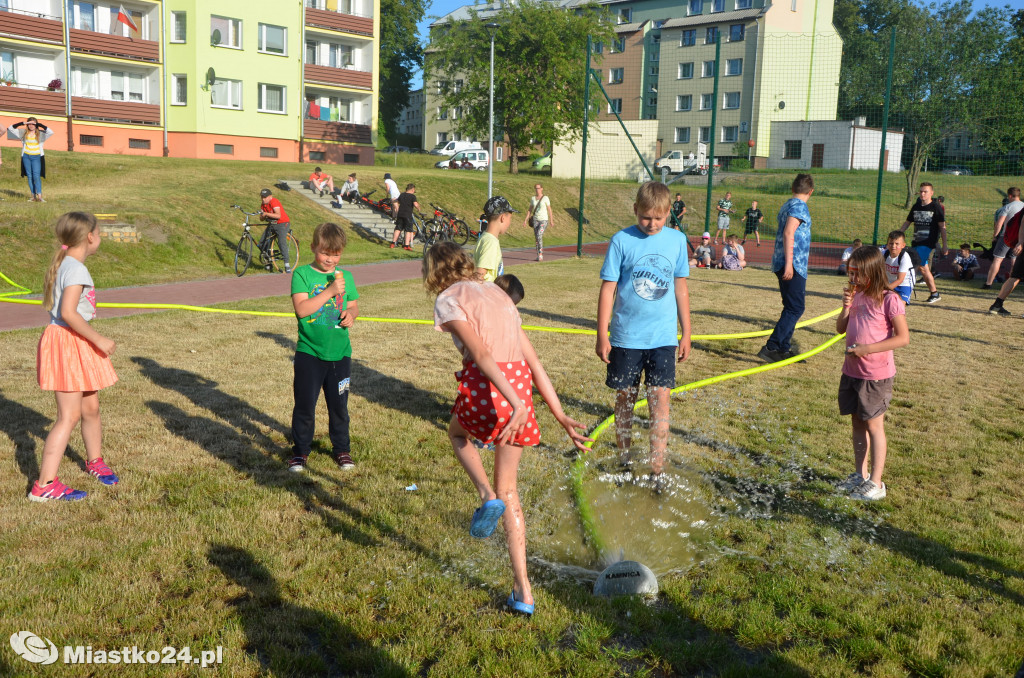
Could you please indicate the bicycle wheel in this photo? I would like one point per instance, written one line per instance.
(243, 255)
(432, 229)
(277, 259)
(460, 232)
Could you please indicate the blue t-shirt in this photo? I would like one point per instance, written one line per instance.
(794, 207)
(645, 268)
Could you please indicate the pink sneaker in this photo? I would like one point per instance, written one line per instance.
(54, 490)
(99, 469)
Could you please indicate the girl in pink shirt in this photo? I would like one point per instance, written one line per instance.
(875, 324)
(494, 402)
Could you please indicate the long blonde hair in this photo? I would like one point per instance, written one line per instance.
(72, 230)
(870, 264)
(445, 264)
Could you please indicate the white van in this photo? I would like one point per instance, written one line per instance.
(477, 158)
(453, 147)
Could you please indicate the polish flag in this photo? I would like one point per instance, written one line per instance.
(126, 18)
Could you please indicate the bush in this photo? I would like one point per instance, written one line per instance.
(739, 164)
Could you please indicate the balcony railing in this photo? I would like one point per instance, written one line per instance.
(338, 21)
(32, 101)
(132, 112)
(339, 77)
(91, 42)
(31, 25)
(336, 131)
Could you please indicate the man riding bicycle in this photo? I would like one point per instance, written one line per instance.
(272, 211)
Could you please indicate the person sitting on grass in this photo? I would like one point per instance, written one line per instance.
(494, 401)
(965, 263)
(350, 189)
(733, 256)
(846, 256)
(703, 254)
(321, 183)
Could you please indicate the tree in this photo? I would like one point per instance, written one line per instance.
(999, 128)
(539, 63)
(400, 57)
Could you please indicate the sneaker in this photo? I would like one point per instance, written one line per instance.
(102, 472)
(852, 482)
(770, 356)
(986, 287)
(344, 460)
(287, 269)
(932, 298)
(791, 353)
(997, 309)
(54, 490)
(868, 491)
(297, 464)
(407, 247)
(1000, 279)
(394, 245)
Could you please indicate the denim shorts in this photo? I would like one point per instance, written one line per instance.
(627, 364)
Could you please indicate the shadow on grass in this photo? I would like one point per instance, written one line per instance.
(585, 323)
(284, 342)
(23, 426)
(400, 396)
(289, 639)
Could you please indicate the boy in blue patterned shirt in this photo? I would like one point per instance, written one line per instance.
(789, 263)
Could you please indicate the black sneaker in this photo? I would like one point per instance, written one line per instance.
(297, 464)
(986, 287)
(999, 310)
(344, 460)
(770, 356)
(932, 298)
(791, 353)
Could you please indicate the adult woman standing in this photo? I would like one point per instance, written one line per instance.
(33, 160)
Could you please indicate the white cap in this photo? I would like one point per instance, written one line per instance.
(706, 235)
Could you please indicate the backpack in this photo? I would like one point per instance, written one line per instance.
(1012, 229)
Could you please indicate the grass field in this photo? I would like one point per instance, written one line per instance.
(182, 208)
(209, 541)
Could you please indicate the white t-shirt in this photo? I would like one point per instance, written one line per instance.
(894, 268)
(392, 188)
(847, 253)
(73, 272)
(540, 208)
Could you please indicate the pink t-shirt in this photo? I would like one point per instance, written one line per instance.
(871, 323)
(489, 311)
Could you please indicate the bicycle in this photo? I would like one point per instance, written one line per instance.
(449, 226)
(270, 254)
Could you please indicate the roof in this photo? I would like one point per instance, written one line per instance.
(716, 18)
(487, 10)
(629, 28)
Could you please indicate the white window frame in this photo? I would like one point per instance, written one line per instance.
(613, 72)
(7, 58)
(78, 75)
(725, 101)
(338, 53)
(688, 100)
(682, 138)
(179, 20)
(707, 101)
(699, 4)
(442, 138)
(679, 71)
(179, 81)
(728, 138)
(235, 31)
(624, 16)
(261, 39)
(717, 5)
(615, 106)
(707, 69)
(729, 67)
(442, 113)
(235, 86)
(261, 99)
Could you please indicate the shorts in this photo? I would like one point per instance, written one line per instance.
(924, 254)
(904, 291)
(481, 409)
(1018, 269)
(748, 229)
(626, 365)
(1001, 250)
(67, 362)
(723, 221)
(865, 398)
(404, 224)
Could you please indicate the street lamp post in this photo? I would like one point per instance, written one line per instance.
(492, 29)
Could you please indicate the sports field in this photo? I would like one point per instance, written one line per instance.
(209, 541)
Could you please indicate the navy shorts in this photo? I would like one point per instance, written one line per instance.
(627, 364)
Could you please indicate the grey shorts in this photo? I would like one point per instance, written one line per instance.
(865, 398)
(723, 221)
(1002, 250)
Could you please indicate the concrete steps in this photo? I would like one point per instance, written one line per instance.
(364, 220)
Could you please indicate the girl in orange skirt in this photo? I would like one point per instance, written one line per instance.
(73, 359)
(494, 403)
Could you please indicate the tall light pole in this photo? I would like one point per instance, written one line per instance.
(492, 29)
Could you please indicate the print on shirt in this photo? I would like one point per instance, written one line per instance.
(329, 313)
(652, 275)
(90, 296)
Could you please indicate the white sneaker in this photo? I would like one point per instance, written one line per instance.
(852, 482)
(868, 491)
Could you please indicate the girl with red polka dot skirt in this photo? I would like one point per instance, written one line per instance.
(500, 371)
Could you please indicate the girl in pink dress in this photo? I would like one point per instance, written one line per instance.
(495, 396)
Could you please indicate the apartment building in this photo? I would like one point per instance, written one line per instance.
(252, 80)
(410, 119)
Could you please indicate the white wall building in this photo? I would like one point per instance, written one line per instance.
(832, 144)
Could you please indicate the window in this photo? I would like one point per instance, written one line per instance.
(734, 67)
(139, 143)
(684, 102)
(708, 70)
(682, 135)
(956, 143)
(656, 37)
(618, 45)
(652, 101)
(90, 140)
(271, 99)
(707, 102)
(312, 50)
(688, 38)
(457, 113)
(272, 39)
(179, 89)
(458, 86)
(118, 80)
(685, 71)
(225, 32)
(268, 152)
(744, 4)
(224, 149)
(339, 56)
(317, 156)
(793, 150)
(226, 94)
(730, 134)
(442, 137)
(731, 100)
(625, 15)
(6, 66)
(705, 135)
(615, 106)
(315, 4)
(442, 113)
(711, 36)
(655, 54)
(351, 159)
(82, 15)
(615, 76)
(178, 31)
(736, 33)
(695, 6)
(84, 82)
(457, 136)
(653, 70)
(598, 48)
(442, 87)
(717, 5)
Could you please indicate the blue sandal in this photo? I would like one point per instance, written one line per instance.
(485, 518)
(517, 606)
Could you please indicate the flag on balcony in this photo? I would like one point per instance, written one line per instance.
(124, 17)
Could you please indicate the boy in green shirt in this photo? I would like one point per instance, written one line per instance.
(487, 255)
(325, 302)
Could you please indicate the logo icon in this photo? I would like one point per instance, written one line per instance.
(33, 648)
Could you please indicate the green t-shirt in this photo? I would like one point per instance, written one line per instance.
(488, 255)
(725, 205)
(319, 333)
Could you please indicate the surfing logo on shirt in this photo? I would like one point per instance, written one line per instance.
(652, 277)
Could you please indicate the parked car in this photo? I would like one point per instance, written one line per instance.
(959, 171)
(542, 162)
(453, 147)
(477, 159)
(396, 149)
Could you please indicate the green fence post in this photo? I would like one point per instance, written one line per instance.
(583, 162)
(714, 113)
(885, 130)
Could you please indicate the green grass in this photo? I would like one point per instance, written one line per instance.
(210, 541)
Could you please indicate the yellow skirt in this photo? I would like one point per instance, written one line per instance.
(67, 362)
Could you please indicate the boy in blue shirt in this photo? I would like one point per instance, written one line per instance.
(643, 295)
(789, 263)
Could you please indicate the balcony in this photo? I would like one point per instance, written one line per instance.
(338, 21)
(132, 112)
(90, 42)
(336, 131)
(339, 77)
(33, 101)
(32, 26)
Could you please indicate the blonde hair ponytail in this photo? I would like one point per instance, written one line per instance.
(72, 230)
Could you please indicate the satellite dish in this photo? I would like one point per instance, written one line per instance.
(215, 38)
(211, 76)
